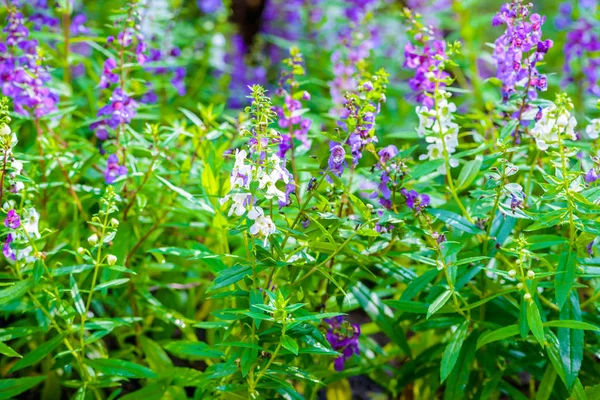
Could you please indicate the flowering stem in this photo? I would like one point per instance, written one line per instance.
(3, 175)
(94, 277)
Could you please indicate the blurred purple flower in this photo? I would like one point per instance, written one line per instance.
(12, 220)
(113, 169)
(343, 338)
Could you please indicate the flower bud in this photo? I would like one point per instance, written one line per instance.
(93, 240)
(80, 251)
(512, 273)
(530, 274)
(114, 222)
(111, 259)
(527, 297)
(4, 130)
(520, 285)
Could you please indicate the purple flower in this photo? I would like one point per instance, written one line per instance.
(343, 337)
(590, 248)
(519, 49)
(113, 169)
(7, 250)
(23, 76)
(581, 49)
(414, 200)
(591, 176)
(209, 6)
(108, 76)
(337, 160)
(12, 220)
(387, 153)
(120, 110)
(425, 60)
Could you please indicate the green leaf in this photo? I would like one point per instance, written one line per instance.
(453, 350)
(498, 334)
(125, 369)
(534, 320)
(459, 377)
(38, 353)
(380, 314)
(203, 205)
(114, 282)
(571, 341)
(192, 350)
(8, 351)
(230, 276)
(572, 324)
(156, 358)
(15, 291)
(489, 388)
(408, 306)
(438, 302)
(10, 388)
(455, 221)
(547, 383)
(150, 392)
(566, 271)
(290, 344)
(468, 174)
(79, 306)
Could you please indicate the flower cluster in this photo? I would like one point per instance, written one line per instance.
(390, 171)
(554, 121)
(259, 174)
(426, 57)
(343, 337)
(414, 200)
(518, 50)
(23, 76)
(438, 128)
(290, 115)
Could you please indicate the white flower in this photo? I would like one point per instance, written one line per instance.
(263, 225)
(546, 130)
(593, 129)
(437, 124)
(30, 221)
(111, 259)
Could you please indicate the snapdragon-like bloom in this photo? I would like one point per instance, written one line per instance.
(263, 224)
(414, 200)
(554, 122)
(12, 220)
(109, 76)
(591, 176)
(425, 60)
(593, 129)
(337, 160)
(120, 110)
(343, 338)
(436, 125)
(7, 249)
(113, 169)
(390, 169)
(518, 50)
